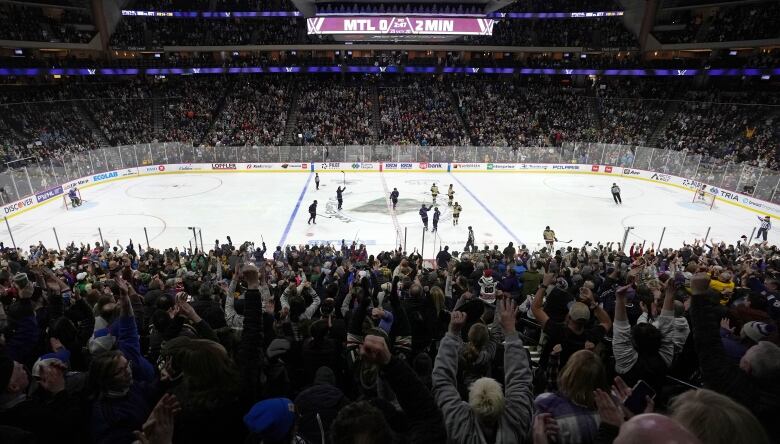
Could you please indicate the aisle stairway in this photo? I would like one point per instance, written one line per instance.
(376, 116)
(292, 118)
(79, 108)
(670, 110)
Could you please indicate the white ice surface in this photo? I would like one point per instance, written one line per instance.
(501, 207)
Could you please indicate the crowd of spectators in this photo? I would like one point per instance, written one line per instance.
(420, 112)
(331, 344)
(563, 6)
(337, 115)
(630, 111)
(495, 112)
(731, 126)
(712, 126)
(145, 32)
(190, 107)
(212, 5)
(750, 21)
(254, 113)
(41, 123)
(123, 111)
(24, 22)
(590, 33)
(753, 21)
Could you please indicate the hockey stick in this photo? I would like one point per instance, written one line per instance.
(326, 217)
(344, 178)
(564, 242)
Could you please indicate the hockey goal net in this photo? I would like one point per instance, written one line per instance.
(703, 197)
(67, 203)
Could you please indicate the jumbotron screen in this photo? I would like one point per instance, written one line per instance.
(399, 25)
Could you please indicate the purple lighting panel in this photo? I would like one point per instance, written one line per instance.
(400, 25)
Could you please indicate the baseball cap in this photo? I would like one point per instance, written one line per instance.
(579, 312)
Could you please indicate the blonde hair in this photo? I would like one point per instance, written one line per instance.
(479, 335)
(583, 373)
(437, 296)
(486, 398)
(715, 418)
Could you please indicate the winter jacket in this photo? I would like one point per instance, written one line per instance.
(114, 419)
(462, 425)
(426, 425)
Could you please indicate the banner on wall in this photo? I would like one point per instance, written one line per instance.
(18, 205)
(48, 194)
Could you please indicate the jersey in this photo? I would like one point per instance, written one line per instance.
(436, 215)
(394, 195)
(765, 224)
(549, 235)
(313, 208)
(72, 193)
(424, 212)
(434, 190)
(471, 236)
(451, 193)
(339, 190)
(615, 189)
(456, 210)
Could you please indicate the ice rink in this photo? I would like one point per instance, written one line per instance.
(274, 207)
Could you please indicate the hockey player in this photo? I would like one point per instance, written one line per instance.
(456, 209)
(313, 213)
(436, 214)
(450, 195)
(549, 237)
(616, 194)
(766, 225)
(74, 197)
(394, 197)
(424, 215)
(469, 241)
(317, 180)
(340, 190)
(434, 192)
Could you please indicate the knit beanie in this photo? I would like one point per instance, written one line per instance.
(271, 419)
(757, 331)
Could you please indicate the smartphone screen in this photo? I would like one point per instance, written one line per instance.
(637, 402)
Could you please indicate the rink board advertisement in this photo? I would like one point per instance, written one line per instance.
(734, 198)
(351, 167)
(407, 167)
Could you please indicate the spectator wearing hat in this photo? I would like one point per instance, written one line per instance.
(572, 333)
(52, 416)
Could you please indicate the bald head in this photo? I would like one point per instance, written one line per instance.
(652, 428)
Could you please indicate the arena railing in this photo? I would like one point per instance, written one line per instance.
(34, 177)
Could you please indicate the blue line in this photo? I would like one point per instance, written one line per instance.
(487, 210)
(295, 211)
